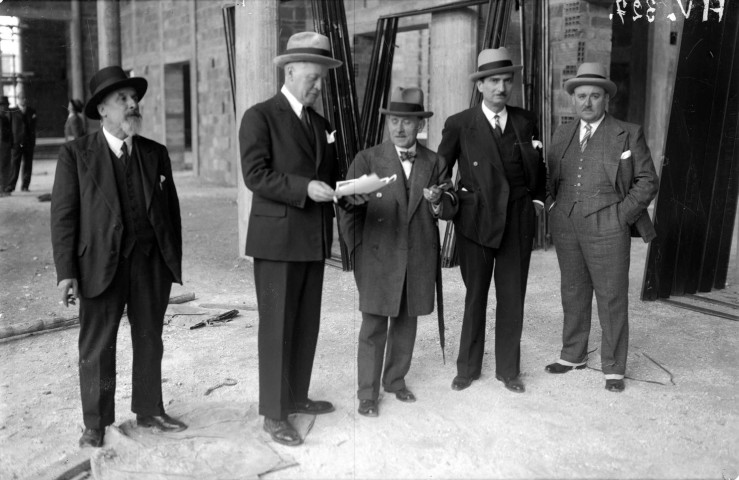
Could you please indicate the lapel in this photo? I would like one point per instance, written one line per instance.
(316, 122)
(390, 164)
(100, 170)
(423, 167)
(560, 148)
(291, 121)
(482, 140)
(613, 145)
(148, 161)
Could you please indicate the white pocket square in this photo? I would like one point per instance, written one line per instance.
(626, 155)
(162, 178)
(537, 144)
(331, 137)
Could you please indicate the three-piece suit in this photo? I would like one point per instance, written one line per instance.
(500, 176)
(289, 236)
(599, 193)
(115, 227)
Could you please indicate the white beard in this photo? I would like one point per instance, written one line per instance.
(131, 125)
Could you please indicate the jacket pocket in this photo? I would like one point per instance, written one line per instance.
(268, 209)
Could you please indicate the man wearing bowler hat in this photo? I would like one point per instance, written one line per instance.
(601, 181)
(501, 191)
(289, 163)
(117, 240)
(394, 241)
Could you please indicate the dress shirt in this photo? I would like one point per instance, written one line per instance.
(502, 116)
(407, 166)
(593, 125)
(294, 103)
(116, 144)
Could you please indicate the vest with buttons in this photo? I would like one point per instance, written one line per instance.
(583, 179)
(510, 155)
(137, 229)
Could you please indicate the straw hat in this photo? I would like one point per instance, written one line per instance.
(591, 73)
(307, 47)
(406, 102)
(493, 61)
(106, 81)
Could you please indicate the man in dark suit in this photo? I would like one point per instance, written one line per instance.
(117, 240)
(289, 162)
(601, 181)
(24, 136)
(6, 146)
(394, 240)
(501, 191)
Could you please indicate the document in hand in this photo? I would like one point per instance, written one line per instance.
(364, 184)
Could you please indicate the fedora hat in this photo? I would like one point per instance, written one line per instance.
(406, 102)
(493, 61)
(307, 47)
(591, 73)
(108, 80)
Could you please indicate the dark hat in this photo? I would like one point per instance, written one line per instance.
(108, 80)
(591, 73)
(406, 102)
(307, 47)
(4, 101)
(494, 61)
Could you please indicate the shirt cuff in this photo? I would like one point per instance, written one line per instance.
(539, 202)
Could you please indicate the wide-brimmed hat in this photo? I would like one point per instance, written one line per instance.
(406, 102)
(591, 73)
(307, 47)
(108, 80)
(493, 61)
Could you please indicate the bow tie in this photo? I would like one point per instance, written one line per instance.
(408, 156)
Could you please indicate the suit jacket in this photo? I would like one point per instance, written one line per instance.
(86, 221)
(278, 162)
(483, 189)
(634, 178)
(24, 127)
(392, 235)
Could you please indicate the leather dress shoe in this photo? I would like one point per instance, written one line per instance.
(513, 384)
(460, 382)
(559, 368)
(92, 437)
(368, 408)
(616, 385)
(162, 422)
(405, 395)
(282, 432)
(311, 407)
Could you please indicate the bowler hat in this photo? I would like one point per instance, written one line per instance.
(591, 73)
(108, 80)
(406, 102)
(307, 47)
(493, 61)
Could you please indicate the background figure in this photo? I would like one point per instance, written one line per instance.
(501, 190)
(288, 164)
(394, 240)
(74, 127)
(117, 240)
(24, 136)
(601, 181)
(6, 145)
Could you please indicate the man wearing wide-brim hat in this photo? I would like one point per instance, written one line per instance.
(601, 181)
(501, 191)
(117, 241)
(289, 163)
(393, 239)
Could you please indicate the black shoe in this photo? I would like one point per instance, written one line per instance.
(24, 189)
(559, 368)
(368, 408)
(92, 437)
(405, 395)
(513, 384)
(460, 382)
(162, 422)
(282, 432)
(313, 408)
(615, 385)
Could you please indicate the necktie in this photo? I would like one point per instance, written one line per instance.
(124, 154)
(408, 156)
(496, 126)
(586, 137)
(305, 120)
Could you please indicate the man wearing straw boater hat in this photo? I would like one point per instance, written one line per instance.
(289, 162)
(394, 241)
(601, 181)
(117, 240)
(501, 191)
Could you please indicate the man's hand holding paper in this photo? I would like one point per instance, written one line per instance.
(363, 185)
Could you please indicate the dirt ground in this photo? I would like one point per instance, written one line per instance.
(564, 426)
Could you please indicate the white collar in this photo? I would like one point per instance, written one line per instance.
(116, 143)
(411, 149)
(489, 114)
(594, 125)
(294, 103)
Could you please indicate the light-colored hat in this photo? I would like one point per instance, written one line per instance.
(493, 61)
(406, 102)
(307, 47)
(591, 73)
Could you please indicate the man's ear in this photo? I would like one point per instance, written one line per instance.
(421, 124)
(101, 109)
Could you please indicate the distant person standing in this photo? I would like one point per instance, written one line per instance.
(74, 127)
(24, 136)
(6, 144)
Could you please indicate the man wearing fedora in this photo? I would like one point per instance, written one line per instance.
(6, 146)
(501, 191)
(117, 241)
(601, 181)
(394, 241)
(289, 163)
